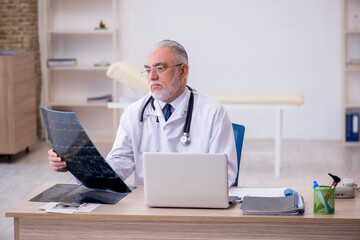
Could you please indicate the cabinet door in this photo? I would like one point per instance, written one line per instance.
(5, 96)
(18, 104)
(24, 100)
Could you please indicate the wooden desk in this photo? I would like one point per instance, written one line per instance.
(131, 219)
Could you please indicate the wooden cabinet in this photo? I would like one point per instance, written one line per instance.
(17, 103)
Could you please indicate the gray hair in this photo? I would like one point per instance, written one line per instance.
(175, 48)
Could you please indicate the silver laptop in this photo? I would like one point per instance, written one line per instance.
(186, 180)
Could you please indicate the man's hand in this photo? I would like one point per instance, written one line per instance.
(55, 162)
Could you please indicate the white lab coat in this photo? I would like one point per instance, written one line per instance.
(210, 131)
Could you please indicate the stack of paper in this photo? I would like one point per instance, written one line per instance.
(103, 98)
(290, 205)
(256, 192)
(61, 62)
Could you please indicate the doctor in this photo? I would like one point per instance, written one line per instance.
(171, 118)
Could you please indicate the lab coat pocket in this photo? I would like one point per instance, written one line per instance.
(149, 140)
(148, 144)
(195, 146)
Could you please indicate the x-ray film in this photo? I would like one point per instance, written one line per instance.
(71, 193)
(70, 141)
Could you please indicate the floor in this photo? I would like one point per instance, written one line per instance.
(303, 162)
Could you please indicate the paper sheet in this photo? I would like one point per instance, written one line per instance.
(258, 192)
(69, 208)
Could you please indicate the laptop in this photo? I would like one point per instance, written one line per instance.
(186, 180)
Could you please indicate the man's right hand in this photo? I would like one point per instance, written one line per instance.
(55, 162)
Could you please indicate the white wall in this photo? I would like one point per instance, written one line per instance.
(250, 46)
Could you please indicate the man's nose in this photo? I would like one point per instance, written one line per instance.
(153, 75)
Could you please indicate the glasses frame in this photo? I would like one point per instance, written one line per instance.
(156, 69)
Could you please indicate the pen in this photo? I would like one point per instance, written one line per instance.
(321, 197)
(334, 184)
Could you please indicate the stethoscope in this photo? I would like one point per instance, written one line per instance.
(185, 139)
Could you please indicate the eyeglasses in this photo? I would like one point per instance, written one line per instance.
(158, 69)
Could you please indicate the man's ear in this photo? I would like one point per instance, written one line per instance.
(184, 70)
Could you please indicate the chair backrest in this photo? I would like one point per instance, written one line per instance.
(239, 132)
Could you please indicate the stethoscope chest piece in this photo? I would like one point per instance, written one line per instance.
(185, 139)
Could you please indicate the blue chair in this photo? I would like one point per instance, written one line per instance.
(239, 132)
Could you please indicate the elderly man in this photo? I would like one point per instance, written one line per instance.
(166, 118)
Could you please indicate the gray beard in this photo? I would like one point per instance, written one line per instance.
(167, 92)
